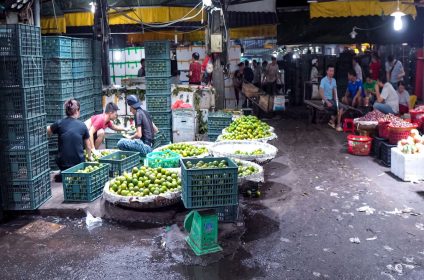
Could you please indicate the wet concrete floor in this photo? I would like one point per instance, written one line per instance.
(323, 214)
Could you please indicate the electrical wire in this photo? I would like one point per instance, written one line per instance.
(177, 33)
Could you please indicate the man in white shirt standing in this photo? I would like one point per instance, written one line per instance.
(357, 68)
(388, 100)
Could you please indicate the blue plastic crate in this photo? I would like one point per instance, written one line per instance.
(28, 194)
(162, 119)
(20, 40)
(57, 69)
(58, 89)
(156, 86)
(57, 47)
(21, 103)
(84, 186)
(157, 50)
(21, 134)
(212, 187)
(158, 68)
(25, 164)
(21, 71)
(158, 103)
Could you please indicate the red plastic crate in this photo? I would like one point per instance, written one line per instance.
(416, 116)
(398, 133)
(383, 129)
(359, 145)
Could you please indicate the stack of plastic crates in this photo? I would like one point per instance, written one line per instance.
(158, 85)
(217, 121)
(23, 137)
(57, 62)
(97, 77)
(82, 75)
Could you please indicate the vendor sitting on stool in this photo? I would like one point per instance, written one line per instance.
(355, 90)
(142, 140)
(403, 98)
(97, 124)
(388, 101)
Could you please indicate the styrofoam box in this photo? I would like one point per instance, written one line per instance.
(118, 69)
(207, 99)
(116, 55)
(184, 76)
(131, 68)
(184, 125)
(201, 50)
(187, 97)
(134, 54)
(183, 53)
(406, 166)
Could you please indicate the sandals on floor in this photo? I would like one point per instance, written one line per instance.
(332, 124)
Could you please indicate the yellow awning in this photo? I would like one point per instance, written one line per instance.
(253, 31)
(356, 8)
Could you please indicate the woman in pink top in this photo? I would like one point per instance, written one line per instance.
(97, 124)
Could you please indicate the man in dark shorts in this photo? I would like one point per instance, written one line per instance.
(328, 92)
(142, 140)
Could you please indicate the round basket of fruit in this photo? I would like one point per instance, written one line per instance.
(248, 128)
(188, 149)
(249, 171)
(245, 150)
(225, 130)
(144, 188)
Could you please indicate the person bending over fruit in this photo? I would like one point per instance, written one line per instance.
(72, 137)
(143, 139)
(97, 124)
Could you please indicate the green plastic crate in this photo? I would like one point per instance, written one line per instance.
(158, 103)
(20, 39)
(212, 137)
(158, 86)
(158, 68)
(21, 71)
(57, 69)
(20, 103)
(219, 120)
(156, 50)
(84, 186)
(213, 187)
(57, 47)
(25, 164)
(118, 164)
(162, 120)
(164, 159)
(28, 194)
(111, 140)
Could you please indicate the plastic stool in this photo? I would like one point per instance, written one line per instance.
(348, 126)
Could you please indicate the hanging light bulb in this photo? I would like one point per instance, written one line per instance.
(92, 7)
(398, 24)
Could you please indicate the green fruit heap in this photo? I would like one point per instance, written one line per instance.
(145, 181)
(207, 165)
(246, 128)
(257, 152)
(90, 168)
(187, 150)
(245, 170)
(97, 157)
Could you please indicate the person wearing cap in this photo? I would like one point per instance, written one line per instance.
(195, 70)
(73, 137)
(142, 140)
(97, 124)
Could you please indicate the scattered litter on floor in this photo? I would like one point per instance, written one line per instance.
(372, 238)
(388, 248)
(316, 274)
(282, 239)
(92, 222)
(326, 249)
(348, 213)
(350, 226)
(419, 226)
(335, 210)
(39, 229)
(406, 210)
(355, 197)
(339, 218)
(333, 194)
(355, 240)
(396, 268)
(319, 188)
(368, 210)
(409, 260)
(388, 275)
(381, 174)
(409, 266)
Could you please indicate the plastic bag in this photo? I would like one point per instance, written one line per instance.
(179, 104)
(92, 222)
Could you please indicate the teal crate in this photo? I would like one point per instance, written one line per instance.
(57, 47)
(83, 86)
(158, 68)
(111, 140)
(25, 164)
(21, 134)
(227, 214)
(86, 104)
(121, 162)
(52, 160)
(213, 187)
(57, 69)
(21, 71)
(166, 137)
(162, 119)
(157, 50)
(219, 120)
(55, 109)
(84, 186)
(212, 137)
(158, 103)
(20, 40)
(21, 103)
(86, 116)
(81, 48)
(158, 86)
(28, 194)
(82, 68)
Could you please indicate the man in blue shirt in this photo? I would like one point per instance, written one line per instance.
(355, 90)
(328, 92)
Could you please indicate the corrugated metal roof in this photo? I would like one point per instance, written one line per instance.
(242, 19)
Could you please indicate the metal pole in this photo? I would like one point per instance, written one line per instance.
(37, 13)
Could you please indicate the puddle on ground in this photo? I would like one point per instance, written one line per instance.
(258, 226)
(39, 229)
